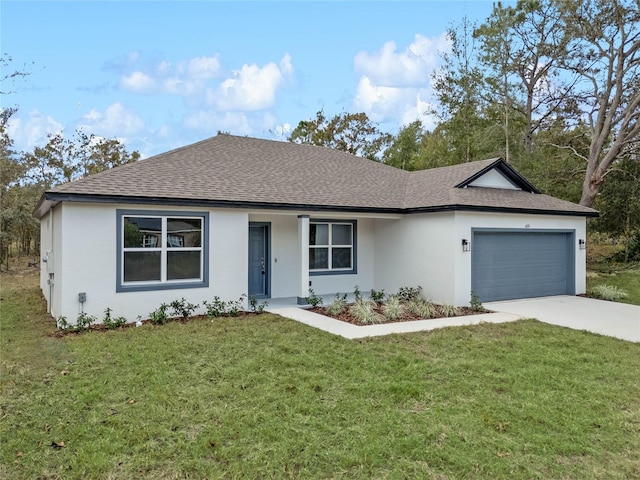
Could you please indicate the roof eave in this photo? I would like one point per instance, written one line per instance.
(51, 199)
(490, 209)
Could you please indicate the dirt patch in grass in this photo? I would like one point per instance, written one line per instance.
(346, 316)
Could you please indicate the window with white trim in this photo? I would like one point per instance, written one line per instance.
(161, 250)
(332, 246)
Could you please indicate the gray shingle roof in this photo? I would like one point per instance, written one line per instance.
(239, 171)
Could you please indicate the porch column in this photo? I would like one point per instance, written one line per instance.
(303, 255)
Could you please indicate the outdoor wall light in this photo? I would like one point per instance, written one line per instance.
(582, 244)
(466, 245)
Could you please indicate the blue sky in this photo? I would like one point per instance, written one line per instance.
(162, 74)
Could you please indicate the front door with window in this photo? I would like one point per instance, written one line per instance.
(258, 260)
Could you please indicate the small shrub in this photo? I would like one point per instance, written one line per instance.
(393, 308)
(257, 307)
(608, 292)
(159, 316)
(110, 322)
(357, 294)
(234, 307)
(338, 305)
(410, 294)
(448, 310)
(376, 296)
(83, 322)
(631, 251)
(420, 308)
(475, 303)
(364, 312)
(62, 323)
(182, 308)
(215, 308)
(313, 299)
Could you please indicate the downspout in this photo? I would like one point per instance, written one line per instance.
(51, 275)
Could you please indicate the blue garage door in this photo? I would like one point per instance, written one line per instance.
(514, 264)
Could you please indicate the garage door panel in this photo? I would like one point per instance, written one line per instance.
(508, 265)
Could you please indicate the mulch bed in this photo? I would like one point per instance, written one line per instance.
(101, 327)
(345, 316)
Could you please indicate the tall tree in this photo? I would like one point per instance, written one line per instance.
(521, 48)
(458, 88)
(17, 226)
(350, 132)
(65, 159)
(604, 52)
(404, 150)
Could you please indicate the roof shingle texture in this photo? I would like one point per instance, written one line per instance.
(248, 170)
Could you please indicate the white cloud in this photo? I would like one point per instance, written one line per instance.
(403, 105)
(286, 66)
(397, 86)
(412, 67)
(32, 131)
(186, 78)
(203, 68)
(138, 82)
(251, 88)
(115, 121)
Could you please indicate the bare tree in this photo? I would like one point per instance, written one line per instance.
(604, 52)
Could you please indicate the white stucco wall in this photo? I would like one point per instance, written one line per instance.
(493, 179)
(50, 250)
(417, 250)
(88, 259)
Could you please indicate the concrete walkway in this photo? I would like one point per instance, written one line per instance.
(619, 320)
(347, 330)
(607, 318)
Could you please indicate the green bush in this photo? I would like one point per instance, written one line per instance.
(364, 311)
(409, 294)
(376, 296)
(393, 308)
(313, 299)
(631, 251)
(338, 305)
(83, 322)
(159, 316)
(257, 307)
(215, 308)
(475, 303)
(608, 292)
(448, 310)
(110, 322)
(182, 308)
(420, 308)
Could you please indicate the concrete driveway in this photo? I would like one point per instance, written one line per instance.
(613, 319)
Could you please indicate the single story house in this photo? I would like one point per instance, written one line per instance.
(232, 215)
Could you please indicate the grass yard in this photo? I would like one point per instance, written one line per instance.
(627, 280)
(265, 397)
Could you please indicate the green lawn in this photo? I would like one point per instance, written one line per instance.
(627, 279)
(265, 397)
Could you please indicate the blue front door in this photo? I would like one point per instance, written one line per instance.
(258, 260)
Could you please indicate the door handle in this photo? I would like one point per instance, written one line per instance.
(262, 265)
